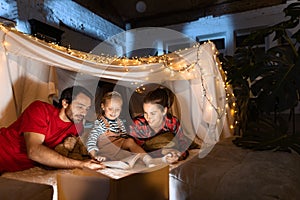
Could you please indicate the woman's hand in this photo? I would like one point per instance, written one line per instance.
(170, 158)
(171, 155)
(172, 151)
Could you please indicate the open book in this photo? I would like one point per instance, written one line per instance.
(126, 163)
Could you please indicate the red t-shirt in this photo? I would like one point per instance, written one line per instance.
(39, 117)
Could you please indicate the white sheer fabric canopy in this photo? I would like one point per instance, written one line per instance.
(32, 69)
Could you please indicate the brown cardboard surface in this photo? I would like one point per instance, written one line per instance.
(11, 189)
(151, 183)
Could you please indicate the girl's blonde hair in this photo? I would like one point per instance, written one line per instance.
(109, 96)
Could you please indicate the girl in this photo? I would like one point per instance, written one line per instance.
(108, 136)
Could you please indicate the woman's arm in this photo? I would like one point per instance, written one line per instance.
(182, 140)
(138, 130)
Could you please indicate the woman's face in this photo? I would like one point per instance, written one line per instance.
(154, 114)
(112, 108)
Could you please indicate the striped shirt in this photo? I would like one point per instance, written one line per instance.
(100, 127)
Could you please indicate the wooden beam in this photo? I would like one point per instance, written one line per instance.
(220, 7)
(240, 6)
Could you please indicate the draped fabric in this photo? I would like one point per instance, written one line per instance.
(32, 69)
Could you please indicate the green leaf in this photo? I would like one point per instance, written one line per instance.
(293, 10)
(265, 82)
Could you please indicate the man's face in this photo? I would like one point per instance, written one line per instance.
(78, 109)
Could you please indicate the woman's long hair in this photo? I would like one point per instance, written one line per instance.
(161, 96)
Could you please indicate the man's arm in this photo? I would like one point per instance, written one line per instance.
(40, 153)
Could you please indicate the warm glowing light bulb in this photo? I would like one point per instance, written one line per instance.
(232, 111)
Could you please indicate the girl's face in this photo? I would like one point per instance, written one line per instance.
(112, 108)
(154, 114)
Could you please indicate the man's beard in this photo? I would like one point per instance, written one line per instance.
(69, 115)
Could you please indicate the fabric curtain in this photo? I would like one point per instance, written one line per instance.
(33, 69)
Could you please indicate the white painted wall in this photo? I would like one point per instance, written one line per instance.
(226, 25)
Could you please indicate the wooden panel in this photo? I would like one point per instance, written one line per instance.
(166, 12)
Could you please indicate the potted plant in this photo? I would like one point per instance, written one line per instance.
(266, 83)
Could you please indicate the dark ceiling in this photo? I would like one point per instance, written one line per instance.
(152, 13)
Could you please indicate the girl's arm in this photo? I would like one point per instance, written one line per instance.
(122, 127)
(96, 131)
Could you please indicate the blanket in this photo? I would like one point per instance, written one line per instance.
(230, 172)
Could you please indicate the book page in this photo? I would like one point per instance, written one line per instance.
(118, 164)
(139, 167)
(131, 160)
(116, 174)
(126, 163)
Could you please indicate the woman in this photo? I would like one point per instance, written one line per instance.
(156, 125)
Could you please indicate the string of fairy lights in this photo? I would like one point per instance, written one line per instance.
(172, 62)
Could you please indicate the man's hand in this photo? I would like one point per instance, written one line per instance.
(93, 165)
(42, 154)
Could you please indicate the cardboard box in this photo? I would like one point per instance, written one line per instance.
(148, 184)
(22, 190)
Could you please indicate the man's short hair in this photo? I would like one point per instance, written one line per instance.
(70, 93)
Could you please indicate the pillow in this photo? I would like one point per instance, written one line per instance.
(73, 147)
(163, 140)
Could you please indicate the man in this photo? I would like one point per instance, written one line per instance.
(33, 136)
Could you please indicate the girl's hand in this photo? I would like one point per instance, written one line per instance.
(100, 158)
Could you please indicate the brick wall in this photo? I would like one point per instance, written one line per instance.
(76, 21)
